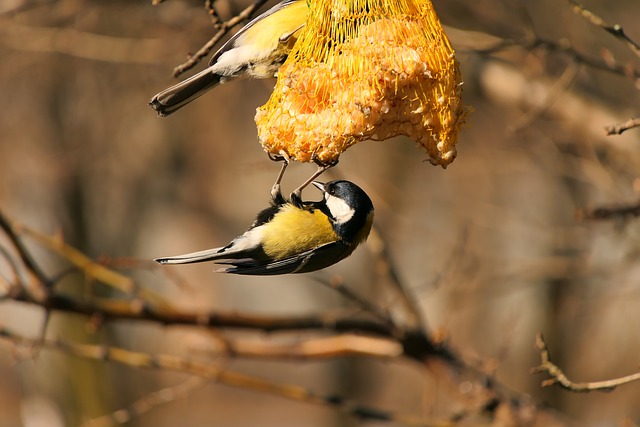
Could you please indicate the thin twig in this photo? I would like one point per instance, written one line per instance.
(609, 212)
(210, 7)
(564, 47)
(85, 264)
(147, 403)
(558, 377)
(560, 86)
(615, 30)
(11, 284)
(40, 283)
(337, 284)
(387, 267)
(618, 128)
(88, 267)
(132, 263)
(118, 310)
(346, 345)
(223, 29)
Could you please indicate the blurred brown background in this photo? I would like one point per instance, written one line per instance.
(491, 247)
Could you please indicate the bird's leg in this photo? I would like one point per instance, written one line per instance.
(296, 196)
(276, 193)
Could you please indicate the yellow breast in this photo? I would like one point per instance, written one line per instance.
(294, 230)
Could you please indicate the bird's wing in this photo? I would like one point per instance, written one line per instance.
(314, 259)
(230, 43)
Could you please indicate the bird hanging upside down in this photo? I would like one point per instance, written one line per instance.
(290, 237)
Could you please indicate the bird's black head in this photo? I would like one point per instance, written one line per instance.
(349, 209)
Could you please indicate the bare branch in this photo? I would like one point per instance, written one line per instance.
(337, 283)
(147, 403)
(615, 30)
(370, 338)
(40, 282)
(111, 309)
(223, 29)
(210, 7)
(9, 285)
(564, 47)
(386, 267)
(81, 261)
(148, 306)
(213, 372)
(316, 348)
(89, 267)
(618, 128)
(558, 377)
(609, 212)
(560, 86)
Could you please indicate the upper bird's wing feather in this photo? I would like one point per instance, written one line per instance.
(231, 42)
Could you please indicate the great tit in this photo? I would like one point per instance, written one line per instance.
(287, 238)
(256, 51)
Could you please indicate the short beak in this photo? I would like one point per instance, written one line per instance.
(319, 185)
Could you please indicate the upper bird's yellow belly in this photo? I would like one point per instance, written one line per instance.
(265, 34)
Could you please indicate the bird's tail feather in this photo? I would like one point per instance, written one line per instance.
(206, 255)
(177, 96)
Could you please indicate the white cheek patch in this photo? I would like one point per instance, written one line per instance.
(339, 209)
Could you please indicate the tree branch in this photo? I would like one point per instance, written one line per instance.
(618, 128)
(345, 345)
(609, 212)
(558, 377)
(563, 47)
(147, 403)
(615, 30)
(213, 372)
(348, 336)
(223, 29)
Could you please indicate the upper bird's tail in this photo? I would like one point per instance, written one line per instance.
(177, 96)
(201, 256)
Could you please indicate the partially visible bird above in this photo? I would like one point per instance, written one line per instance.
(296, 238)
(256, 51)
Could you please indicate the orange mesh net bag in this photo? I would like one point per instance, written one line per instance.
(365, 69)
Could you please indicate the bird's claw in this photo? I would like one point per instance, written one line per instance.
(276, 157)
(326, 164)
